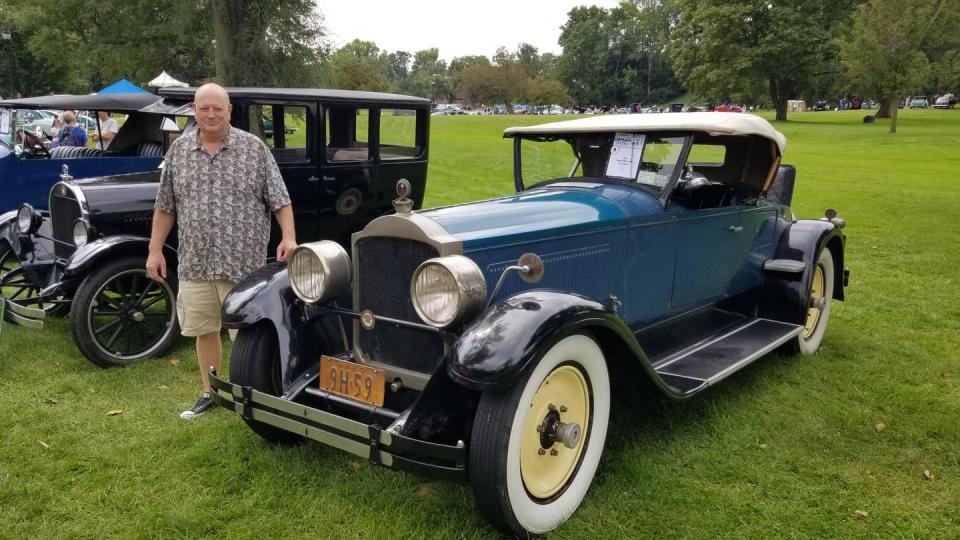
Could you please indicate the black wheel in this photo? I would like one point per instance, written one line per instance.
(119, 315)
(820, 299)
(17, 289)
(255, 362)
(535, 447)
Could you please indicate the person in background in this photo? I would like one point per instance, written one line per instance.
(71, 134)
(108, 130)
(219, 186)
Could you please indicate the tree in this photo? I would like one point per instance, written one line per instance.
(585, 40)
(724, 48)
(266, 42)
(885, 52)
(359, 65)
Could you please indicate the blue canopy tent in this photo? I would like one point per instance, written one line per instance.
(122, 86)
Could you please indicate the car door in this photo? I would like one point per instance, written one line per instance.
(708, 255)
(290, 131)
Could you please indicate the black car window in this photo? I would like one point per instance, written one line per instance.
(398, 134)
(348, 134)
(284, 128)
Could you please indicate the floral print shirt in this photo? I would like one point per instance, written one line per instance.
(222, 204)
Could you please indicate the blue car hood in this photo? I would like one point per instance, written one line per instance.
(533, 214)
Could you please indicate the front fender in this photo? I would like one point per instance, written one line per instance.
(504, 341)
(86, 257)
(266, 296)
(785, 298)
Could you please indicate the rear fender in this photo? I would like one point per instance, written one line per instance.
(503, 343)
(266, 295)
(785, 297)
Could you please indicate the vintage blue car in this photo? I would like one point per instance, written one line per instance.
(478, 341)
(29, 167)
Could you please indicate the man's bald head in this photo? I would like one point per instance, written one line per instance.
(69, 117)
(214, 92)
(211, 109)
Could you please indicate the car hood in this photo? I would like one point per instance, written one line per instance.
(121, 193)
(558, 209)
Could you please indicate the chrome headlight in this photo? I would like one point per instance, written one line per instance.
(81, 233)
(319, 271)
(28, 219)
(447, 290)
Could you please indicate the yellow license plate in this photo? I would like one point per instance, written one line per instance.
(352, 380)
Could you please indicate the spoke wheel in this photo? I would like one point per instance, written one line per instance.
(18, 289)
(535, 447)
(120, 315)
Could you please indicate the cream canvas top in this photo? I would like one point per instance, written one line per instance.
(714, 123)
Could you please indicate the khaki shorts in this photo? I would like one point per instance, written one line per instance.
(199, 304)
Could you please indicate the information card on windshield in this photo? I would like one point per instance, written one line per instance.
(625, 155)
(4, 122)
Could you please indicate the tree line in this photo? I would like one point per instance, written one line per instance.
(647, 51)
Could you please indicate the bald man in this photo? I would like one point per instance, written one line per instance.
(219, 186)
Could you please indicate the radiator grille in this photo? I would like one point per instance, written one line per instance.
(64, 210)
(386, 266)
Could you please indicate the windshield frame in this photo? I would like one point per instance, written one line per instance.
(662, 194)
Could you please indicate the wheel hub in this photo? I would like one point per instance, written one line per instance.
(553, 430)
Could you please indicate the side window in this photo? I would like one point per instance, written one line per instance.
(707, 155)
(398, 134)
(348, 134)
(283, 128)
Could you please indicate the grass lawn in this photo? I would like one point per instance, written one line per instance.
(859, 440)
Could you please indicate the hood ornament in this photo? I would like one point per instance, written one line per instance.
(403, 204)
(65, 173)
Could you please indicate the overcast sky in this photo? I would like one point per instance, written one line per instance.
(456, 28)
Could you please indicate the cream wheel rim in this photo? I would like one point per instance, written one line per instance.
(547, 464)
(816, 295)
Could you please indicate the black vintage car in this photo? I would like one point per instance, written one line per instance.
(342, 155)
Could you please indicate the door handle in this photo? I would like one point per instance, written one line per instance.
(734, 228)
(312, 179)
(328, 178)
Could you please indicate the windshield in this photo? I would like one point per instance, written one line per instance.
(647, 159)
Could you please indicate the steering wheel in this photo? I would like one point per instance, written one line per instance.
(33, 145)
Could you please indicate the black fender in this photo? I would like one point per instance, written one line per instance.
(784, 297)
(303, 335)
(498, 348)
(86, 257)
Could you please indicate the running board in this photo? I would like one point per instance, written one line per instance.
(712, 360)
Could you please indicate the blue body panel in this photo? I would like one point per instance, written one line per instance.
(596, 240)
(29, 180)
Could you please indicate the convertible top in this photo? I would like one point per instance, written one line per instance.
(714, 123)
(342, 96)
(91, 102)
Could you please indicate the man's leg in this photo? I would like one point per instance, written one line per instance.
(209, 353)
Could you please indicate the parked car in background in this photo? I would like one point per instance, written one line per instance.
(28, 167)
(477, 342)
(946, 101)
(341, 167)
(31, 119)
(919, 102)
(728, 107)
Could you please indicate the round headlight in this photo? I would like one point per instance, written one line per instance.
(81, 233)
(447, 290)
(25, 219)
(319, 271)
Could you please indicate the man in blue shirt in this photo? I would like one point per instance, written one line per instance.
(71, 134)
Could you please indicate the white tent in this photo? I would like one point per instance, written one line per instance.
(163, 80)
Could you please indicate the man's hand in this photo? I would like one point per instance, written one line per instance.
(157, 266)
(284, 249)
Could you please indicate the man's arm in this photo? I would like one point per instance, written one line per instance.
(284, 216)
(156, 262)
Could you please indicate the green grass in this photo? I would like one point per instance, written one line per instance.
(787, 448)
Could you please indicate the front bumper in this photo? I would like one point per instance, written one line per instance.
(369, 441)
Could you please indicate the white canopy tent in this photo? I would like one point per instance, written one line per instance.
(164, 80)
